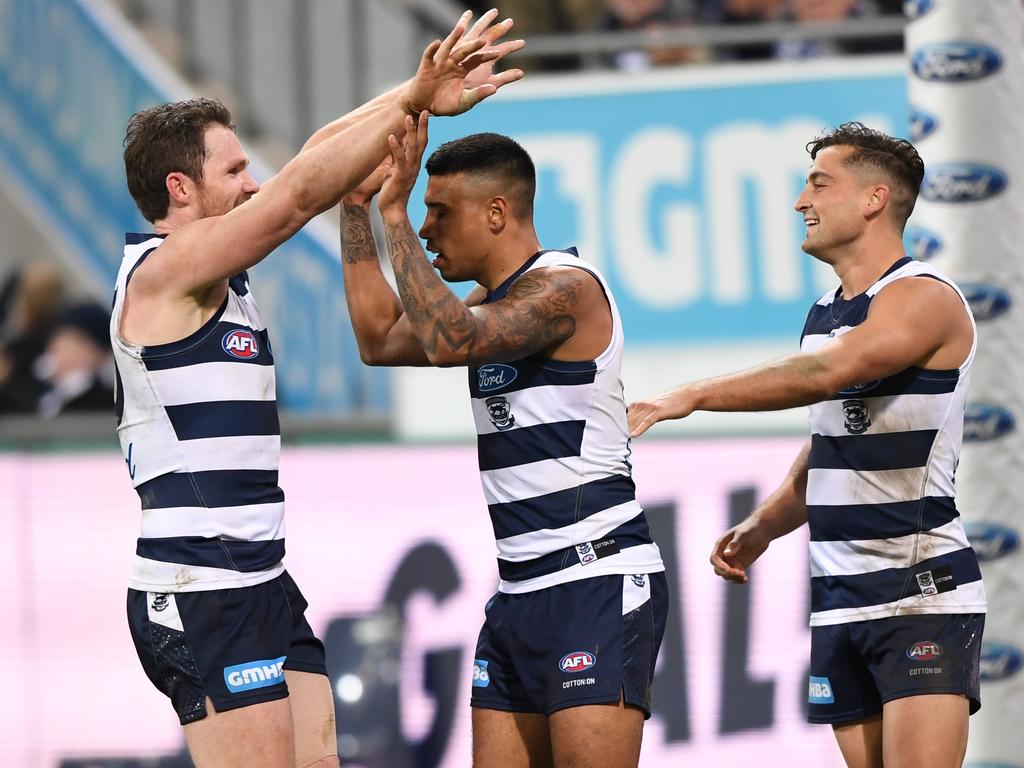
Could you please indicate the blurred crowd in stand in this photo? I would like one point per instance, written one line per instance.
(54, 350)
(538, 17)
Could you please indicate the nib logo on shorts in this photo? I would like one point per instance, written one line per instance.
(254, 674)
(819, 691)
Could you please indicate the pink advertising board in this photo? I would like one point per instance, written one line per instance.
(405, 527)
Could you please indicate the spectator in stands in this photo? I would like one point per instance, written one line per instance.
(652, 15)
(30, 299)
(742, 12)
(816, 11)
(76, 370)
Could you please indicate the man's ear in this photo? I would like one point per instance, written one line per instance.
(497, 213)
(878, 199)
(180, 187)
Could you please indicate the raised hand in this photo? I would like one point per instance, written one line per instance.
(406, 156)
(370, 186)
(458, 72)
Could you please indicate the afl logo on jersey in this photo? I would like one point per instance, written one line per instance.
(577, 661)
(241, 343)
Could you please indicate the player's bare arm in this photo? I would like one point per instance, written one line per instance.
(538, 313)
(383, 333)
(782, 512)
(209, 250)
(912, 322)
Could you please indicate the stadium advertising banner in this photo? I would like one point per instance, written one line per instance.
(393, 549)
(71, 74)
(679, 186)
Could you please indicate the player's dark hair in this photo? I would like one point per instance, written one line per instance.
(491, 156)
(896, 158)
(165, 139)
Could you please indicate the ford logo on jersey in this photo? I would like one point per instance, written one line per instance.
(962, 183)
(991, 540)
(492, 377)
(955, 62)
(987, 301)
(922, 124)
(915, 9)
(241, 343)
(924, 244)
(1000, 661)
(254, 674)
(577, 661)
(983, 421)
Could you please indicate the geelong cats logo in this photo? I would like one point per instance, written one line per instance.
(500, 413)
(856, 412)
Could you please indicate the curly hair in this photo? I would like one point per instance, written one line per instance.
(895, 158)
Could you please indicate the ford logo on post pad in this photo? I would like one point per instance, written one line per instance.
(496, 376)
(987, 301)
(991, 540)
(922, 124)
(984, 421)
(955, 62)
(915, 9)
(999, 661)
(962, 183)
(923, 244)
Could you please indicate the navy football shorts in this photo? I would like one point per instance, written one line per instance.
(232, 645)
(858, 667)
(586, 642)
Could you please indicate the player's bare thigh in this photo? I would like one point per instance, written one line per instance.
(510, 740)
(927, 730)
(861, 742)
(597, 736)
(298, 731)
(257, 736)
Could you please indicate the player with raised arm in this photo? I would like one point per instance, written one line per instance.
(565, 659)
(218, 623)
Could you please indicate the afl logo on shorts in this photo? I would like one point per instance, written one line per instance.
(241, 343)
(577, 661)
(926, 650)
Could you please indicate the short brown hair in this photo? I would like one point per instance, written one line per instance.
(896, 158)
(165, 139)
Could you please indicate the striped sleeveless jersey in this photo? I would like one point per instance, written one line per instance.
(886, 536)
(554, 461)
(198, 425)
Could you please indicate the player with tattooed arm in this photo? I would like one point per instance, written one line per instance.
(542, 341)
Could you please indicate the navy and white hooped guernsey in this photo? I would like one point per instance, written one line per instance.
(199, 430)
(886, 536)
(554, 461)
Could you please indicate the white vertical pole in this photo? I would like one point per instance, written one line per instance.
(967, 99)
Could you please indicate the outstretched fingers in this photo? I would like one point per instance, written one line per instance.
(449, 43)
(482, 25)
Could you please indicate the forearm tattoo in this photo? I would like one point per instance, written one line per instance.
(436, 314)
(538, 311)
(357, 243)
